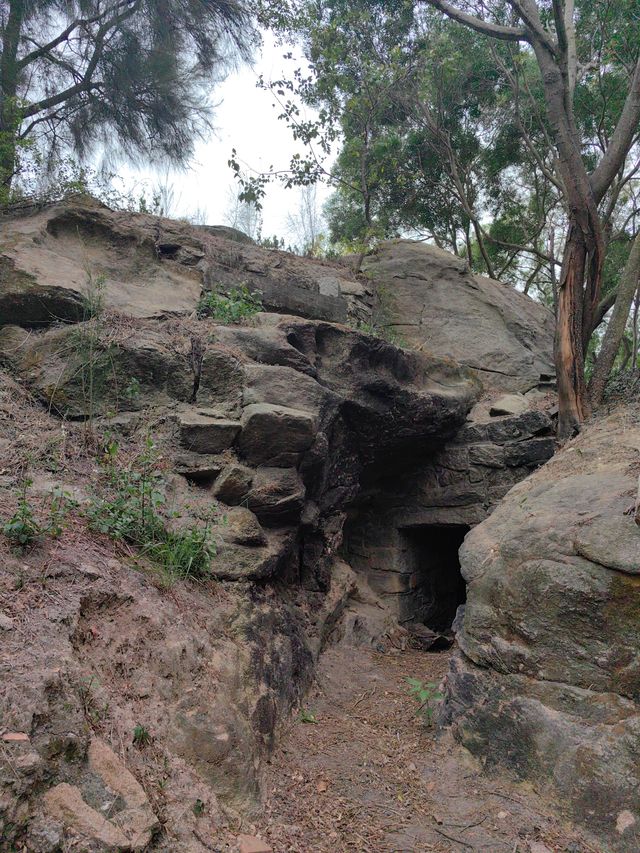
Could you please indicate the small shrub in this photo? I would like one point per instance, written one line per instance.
(141, 736)
(198, 808)
(427, 695)
(307, 716)
(24, 528)
(132, 512)
(240, 306)
(93, 300)
(187, 554)
(132, 389)
(89, 358)
(377, 330)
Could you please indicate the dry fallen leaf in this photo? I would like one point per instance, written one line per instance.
(321, 786)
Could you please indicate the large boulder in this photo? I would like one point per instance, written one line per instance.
(82, 370)
(277, 496)
(201, 433)
(429, 297)
(58, 262)
(547, 681)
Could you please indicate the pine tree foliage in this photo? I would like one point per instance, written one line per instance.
(117, 75)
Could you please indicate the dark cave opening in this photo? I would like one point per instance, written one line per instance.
(437, 588)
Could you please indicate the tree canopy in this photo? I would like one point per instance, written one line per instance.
(128, 75)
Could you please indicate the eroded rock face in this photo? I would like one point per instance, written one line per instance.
(437, 306)
(210, 675)
(404, 530)
(547, 681)
(53, 258)
(299, 441)
(131, 821)
(203, 675)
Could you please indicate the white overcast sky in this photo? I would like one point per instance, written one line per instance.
(247, 121)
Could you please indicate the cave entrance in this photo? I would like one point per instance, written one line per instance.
(437, 588)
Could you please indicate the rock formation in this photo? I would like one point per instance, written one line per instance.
(344, 472)
(150, 266)
(436, 305)
(546, 684)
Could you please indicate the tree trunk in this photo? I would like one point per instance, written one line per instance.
(579, 286)
(617, 324)
(573, 405)
(634, 344)
(580, 279)
(9, 115)
(7, 165)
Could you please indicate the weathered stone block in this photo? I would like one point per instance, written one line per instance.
(454, 458)
(241, 527)
(284, 386)
(521, 427)
(233, 485)
(236, 562)
(202, 434)
(489, 455)
(531, 453)
(391, 583)
(277, 496)
(509, 404)
(221, 380)
(275, 435)
(198, 467)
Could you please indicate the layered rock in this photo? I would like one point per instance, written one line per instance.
(430, 298)
(404, 530)
(52, 257)
(276, 424)
(121, 683)
(547, 681)
(311, 449)
(303, 433)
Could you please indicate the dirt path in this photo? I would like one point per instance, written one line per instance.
(368, 775)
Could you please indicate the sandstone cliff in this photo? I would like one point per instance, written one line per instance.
(337, 473)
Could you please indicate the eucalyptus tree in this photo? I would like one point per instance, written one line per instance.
(572, 42)
(506, 130)
(452, 167)
(131, 74)
(428, 143)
